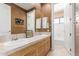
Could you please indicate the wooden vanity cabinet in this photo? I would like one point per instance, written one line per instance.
(47, 46)
(29, 51)
(40, 48)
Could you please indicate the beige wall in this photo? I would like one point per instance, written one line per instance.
(59, 14)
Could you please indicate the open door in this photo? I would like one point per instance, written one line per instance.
(69, 28)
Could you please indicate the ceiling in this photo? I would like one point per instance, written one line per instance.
(25, 6)
(59, 6)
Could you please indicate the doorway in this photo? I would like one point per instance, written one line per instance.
(63, 29)
(58, 27)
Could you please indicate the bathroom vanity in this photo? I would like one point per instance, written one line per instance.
(35, 46)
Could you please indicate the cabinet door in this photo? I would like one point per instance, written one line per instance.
(41, 50)
(31, 53)
(43, 47)
(47, 45)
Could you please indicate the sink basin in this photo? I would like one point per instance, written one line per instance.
(22, 41)
(15, 42)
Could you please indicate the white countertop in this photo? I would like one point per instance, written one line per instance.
(11, 46)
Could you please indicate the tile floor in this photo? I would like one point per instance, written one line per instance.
(59, 49)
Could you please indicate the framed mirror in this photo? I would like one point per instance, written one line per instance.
(31, 20)
(38, 25)
(42, 24)
(30, 23)
(45, 23)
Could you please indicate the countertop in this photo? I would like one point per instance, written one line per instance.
(9, 47)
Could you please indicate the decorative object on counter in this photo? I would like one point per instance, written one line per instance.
(29, 33)
(19, 21)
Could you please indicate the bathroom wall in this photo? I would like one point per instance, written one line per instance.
(77, 31)
(59, 14)
(5, 22)
(59, 31)
(17, 12)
